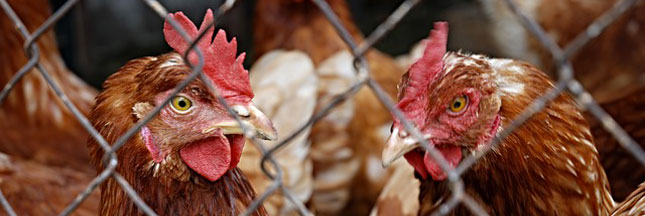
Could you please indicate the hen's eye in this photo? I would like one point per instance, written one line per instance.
(458, 104)
(181, 104)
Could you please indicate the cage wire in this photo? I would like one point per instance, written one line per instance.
(561, 57)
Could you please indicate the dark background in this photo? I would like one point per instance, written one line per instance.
(97, 37)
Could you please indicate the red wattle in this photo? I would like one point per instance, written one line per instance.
(237, 145)
(415, 158)
(211, 158)
(452, 154)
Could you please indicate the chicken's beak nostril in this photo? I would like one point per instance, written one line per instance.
(261, 123)
(254, 120)
(403, 134)
(396, 146)
(241, 111)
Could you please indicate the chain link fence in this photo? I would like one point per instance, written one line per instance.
(561, 57)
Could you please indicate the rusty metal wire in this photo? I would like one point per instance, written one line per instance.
(561, 58)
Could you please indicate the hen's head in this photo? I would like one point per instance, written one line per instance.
(453, 99)
(194, 130)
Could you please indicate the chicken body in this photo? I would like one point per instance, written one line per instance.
(613, 72)
(611, 75)
(289, 100)
(625, 173)
(400, 194)
(35, 124)
(348, 176)
(35, 189)
(44, 161)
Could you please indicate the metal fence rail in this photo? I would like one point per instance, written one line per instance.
(560, 56)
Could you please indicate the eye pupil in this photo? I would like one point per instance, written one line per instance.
(458, 104)
(181, 104)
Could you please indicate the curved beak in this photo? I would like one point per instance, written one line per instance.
(252, 118)
(262, 124)
(397, 146)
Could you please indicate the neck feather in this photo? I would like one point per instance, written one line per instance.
(229, 195)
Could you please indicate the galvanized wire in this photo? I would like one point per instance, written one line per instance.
(5, 205)
(561, 58)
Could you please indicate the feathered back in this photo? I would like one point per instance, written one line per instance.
(414, 84)
(220, 65)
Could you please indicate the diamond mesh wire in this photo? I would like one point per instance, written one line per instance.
(560, 56)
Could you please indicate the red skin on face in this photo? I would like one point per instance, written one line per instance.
(445, 128)
(210, 155)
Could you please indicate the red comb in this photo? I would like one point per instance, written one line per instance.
(422, 73)
(220, 65)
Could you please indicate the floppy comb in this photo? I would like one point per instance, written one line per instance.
(220, 63)
(413, 98)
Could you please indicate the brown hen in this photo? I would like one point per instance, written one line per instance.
(184, 161)
(459, 102)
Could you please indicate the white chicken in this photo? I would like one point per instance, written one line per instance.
(285, 88)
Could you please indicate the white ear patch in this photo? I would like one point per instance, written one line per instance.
(141, 109)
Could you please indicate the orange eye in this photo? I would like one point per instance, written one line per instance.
(458, 104)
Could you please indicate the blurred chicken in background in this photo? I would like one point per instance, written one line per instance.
(285, 87)
(623, 170)
(346, 144)
(44, 163)
(36, 189)
(610, 67)
(35, 123)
